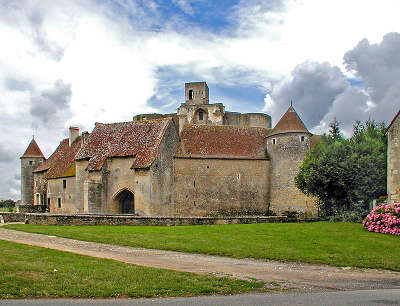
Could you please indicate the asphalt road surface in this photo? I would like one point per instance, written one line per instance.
(359, 297)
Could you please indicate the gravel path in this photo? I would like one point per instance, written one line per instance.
(299, 276)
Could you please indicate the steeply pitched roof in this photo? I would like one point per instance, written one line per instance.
(62, 162)
(140, 139)
(33, 150)
(394, 119)
(210, 141)
(290, 122)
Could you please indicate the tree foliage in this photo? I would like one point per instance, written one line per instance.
(346, 174)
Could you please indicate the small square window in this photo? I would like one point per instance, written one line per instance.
(30, 163)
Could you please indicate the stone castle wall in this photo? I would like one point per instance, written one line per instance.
(217, 186)
(393, 180)
(62, 200)
(28, 164)
(287, 154)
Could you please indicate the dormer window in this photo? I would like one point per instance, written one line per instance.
(190, 94)
(201, 115)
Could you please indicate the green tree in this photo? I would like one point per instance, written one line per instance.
(346, 174)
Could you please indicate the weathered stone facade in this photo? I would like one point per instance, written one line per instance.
(393, 172)
(201, 161)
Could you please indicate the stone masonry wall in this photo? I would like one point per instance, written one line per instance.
(287, 154)
(28, 164)
(393, 179)
(162, 174)
(59, 219)
(56, 192)
(215, 186)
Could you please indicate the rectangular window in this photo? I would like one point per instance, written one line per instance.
(302, 138)
(48, 202)
(30, 162)
(37, 199)
(201, 115)
(64, 184)
(190, 94)
(59, 202)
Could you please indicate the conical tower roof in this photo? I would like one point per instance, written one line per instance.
(33, 150)
(290, 122)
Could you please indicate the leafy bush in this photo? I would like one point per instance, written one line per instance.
(384, 219)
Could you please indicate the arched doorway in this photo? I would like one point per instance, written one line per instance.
(126, 201)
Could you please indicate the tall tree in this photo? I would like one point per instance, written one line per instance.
(346, 174)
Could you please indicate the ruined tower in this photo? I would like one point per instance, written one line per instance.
(31, 159)
(288, 144)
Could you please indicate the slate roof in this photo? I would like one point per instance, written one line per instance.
(62, 162)
(290, 122)
(139, 139)
(210, 141)
(33, 150)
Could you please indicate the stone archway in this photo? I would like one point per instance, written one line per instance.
(126, 201)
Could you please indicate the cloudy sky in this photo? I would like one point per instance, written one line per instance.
(75, 62)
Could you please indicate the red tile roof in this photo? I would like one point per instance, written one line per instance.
(210, 141)
(140, 139)
(290, 122)
(62, 162)
(33, 150)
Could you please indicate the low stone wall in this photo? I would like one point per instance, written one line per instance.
(64, 219)
(12, 217)
(31, 208)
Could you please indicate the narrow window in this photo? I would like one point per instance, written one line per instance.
(64, 184)
(194, 203)
(30, 162)
(48, 202)
(194, 184)
(190, 94)
(274, 141)
(59, 202)
(302, 138)
(201, 115)
(37, 199)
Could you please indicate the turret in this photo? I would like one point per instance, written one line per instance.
(287, 145)
(31, 159)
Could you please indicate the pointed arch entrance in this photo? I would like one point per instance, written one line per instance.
(126, 202)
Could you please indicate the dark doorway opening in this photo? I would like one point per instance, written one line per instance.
(127, 202)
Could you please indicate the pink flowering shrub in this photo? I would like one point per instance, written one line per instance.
(384, 219)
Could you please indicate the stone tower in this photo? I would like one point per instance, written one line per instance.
(287, 144)
(31, 159)
(393, 170)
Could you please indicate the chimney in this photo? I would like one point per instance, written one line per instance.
(85, 136)
(73, 134)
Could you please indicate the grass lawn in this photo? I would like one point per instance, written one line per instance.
(339, 244)
(6, 209)
(28, 271)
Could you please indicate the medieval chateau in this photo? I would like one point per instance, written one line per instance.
(199, 161)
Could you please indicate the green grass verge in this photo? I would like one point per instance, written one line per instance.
(28, 271)
(339, 244)
(6, 209)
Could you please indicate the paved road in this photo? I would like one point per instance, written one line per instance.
(301, 277)
(360, 297)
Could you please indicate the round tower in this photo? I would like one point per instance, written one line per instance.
(287, 146)
(30, 160)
